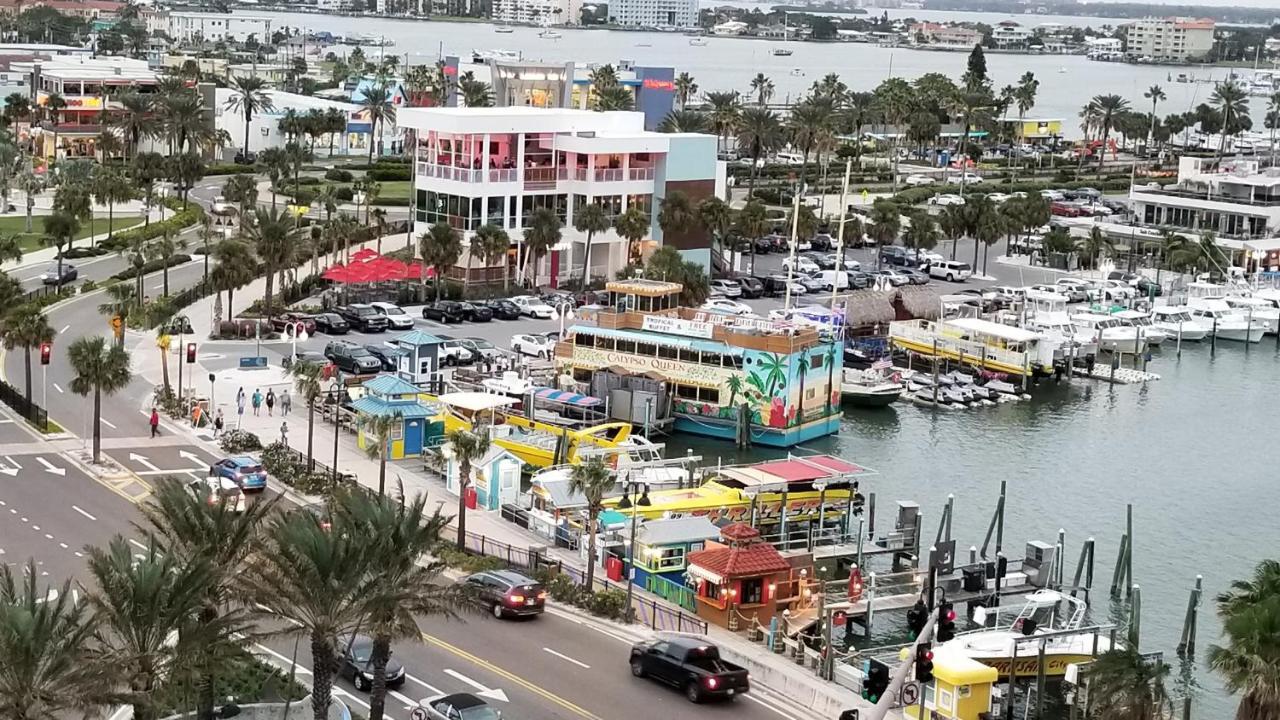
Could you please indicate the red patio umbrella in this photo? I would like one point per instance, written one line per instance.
(364, 254)
(337, 273)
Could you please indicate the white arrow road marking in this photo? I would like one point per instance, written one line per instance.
(82, 512)
(481, 690)
(189, 456)
(57, 387)
(426, 685)
(402, 698)
(8, 470)
(143, 461)
(11, 462)
(108, 423)
(566, 658)
(50, 468)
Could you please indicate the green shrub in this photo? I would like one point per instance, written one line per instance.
(391, 202)
(88, 286)
(338, 175)
(152, 266)
(303, 197)
(344, 194)
(306, 180)
(76, 253)
(183, 219)
(609, 603)
(284, 464)
(389, 174)
(237, 441)
(240, 675)
(228, 169)
(450, 555)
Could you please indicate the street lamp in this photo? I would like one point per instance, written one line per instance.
(623, 504)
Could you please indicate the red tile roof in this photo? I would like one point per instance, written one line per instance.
(740, 561)
(739, 531)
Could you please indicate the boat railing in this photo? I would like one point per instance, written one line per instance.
(923, 332)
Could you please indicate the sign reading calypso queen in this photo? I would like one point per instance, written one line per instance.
(676, 370)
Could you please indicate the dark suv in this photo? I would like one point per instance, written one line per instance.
(445, 311)
(506, 592)
(364, 318)
(351, 358)
(895, 255)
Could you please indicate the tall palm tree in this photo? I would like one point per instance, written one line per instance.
(613, 97)
(1095, 245)
(811, 126)
(249, 97)
(591, 479)
(440, 247)
(715, 216)
(236, 268)
(26, 327)
(632, 225)
(30, 183)
(895, 99)
(1108, 107)
(1024, 98)
(541, 233)
(134, 119)
(493, 245)
(100, 368)
(271, 234)
(1156, 95)
(1271, 121)
(763, 88)
(886, 220)
(313, 579)
(47, 645)
(306, 380)
(589, 219)
(377, 433)
(242, 189)
(110, 186)
(377, 104)
(1123, 685)
(467, 447)
(60, 230)
(726, 112)
(1232, 102)
(759, 133)
(676, 214)
(684, 121)
(752, 223)
(685, 88)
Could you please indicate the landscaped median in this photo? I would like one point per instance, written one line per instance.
(183, 218)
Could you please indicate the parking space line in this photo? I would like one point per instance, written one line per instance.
(566, 658)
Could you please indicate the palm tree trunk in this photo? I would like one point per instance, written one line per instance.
(205, 684)
(30, 204)
(247, 120)
(270, 276)
(164, 273)
(322, 664)
(378, 687)
(464, 477)
(26, 362)
(586, 265)
(591, 552)
(164, 369)
(311, 430)
(97, 424)
(382, 468)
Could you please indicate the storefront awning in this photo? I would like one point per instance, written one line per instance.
(704, 574)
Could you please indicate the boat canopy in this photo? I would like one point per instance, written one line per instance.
(566, 398)
(644, 336)
(476, 401)
(993, 329)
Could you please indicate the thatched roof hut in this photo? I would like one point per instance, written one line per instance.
(917, 302)
(866, 308)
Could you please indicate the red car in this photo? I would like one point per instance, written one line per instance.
(1065, 210)
(280, 321)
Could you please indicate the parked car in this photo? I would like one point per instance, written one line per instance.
(476, 312)
(67, 272)
(1062, 209)
(504, 309)
(859, 280)
(811, 283)
(458, 706)
(533, 307)
(832, 280)
(928, 257)
(802, 265)
(824, 261)
(396, 316)
(895, 255)
(1053, 195)
(946, 199)
(351, 358)
(222, 207)
(998, 198)
(591, 297)
(966, 178)
(1084, 193)
(751, 287)
(834, 263)
(691, 664)
(445, 311)
(537, 345)
(357, 663)
(914, 276)
(951, 271)
(802, 244)
(894, 276)
(481, 348)
(507, 593)
(216, 489)
(331, 324)
(308, 321)
(556, 298)
(780, 282)
(726, 306)
(385, 355)
(363, 317)
(1075, 290)
(822, 241)
(916, 180)
(727, 288)
(454, 352)
(244, 471)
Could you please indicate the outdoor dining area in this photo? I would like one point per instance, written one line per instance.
(367, 266)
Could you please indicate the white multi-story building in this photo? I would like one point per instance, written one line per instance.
(188, 26)
(1170, 39)
(1010, 34)
(538, 12)
(500, 165)
(655, 13)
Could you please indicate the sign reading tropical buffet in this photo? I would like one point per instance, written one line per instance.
(675, 326)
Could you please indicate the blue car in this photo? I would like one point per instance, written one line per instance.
(244, 471)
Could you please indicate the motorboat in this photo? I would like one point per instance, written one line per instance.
(1013, 647)
(535, 442)
(1225, 323)
(1048, 314)
(1111, 333)
(1145, 325)
(698, 42)
(1257, 309)
(869, 388)
(550, 35)
(781, 52)
(503, 29)
(1177, 322)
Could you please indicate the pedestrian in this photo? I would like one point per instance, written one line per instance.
(284, 433)
(286, 402)
(217, 423)
(240, 396)
(256, 401)
(155, 422)
(271, 401)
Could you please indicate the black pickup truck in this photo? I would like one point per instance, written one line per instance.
(691, 664)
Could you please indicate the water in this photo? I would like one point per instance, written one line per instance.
(1066, 81)
(1189, 451)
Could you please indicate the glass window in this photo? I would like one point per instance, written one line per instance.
(583, 339)
(690, 356)
(668, 352)
(604, 343)
(558, 203)
(815, 361)
(626, 346)
(669, 559)
(646, 349)
(686, 392)
(709, 395)
(752, 591)
(496, 212)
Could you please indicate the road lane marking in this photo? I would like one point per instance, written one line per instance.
(138, 544)
(288, 662)
(508, 675)
(426, 685)
(57, 387)
(78, 509)
(402, 698)
(108, 423)
(566, 658)
(63, 330)
(50, 467)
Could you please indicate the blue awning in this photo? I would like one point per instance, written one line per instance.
(567, 398)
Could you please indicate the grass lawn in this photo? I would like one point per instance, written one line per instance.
(17, 225)
(390, 190)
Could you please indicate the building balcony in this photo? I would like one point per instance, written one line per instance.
(468, 175)
(1171, 195)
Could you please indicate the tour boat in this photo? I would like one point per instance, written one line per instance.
(1176, 321)
(868, 388)
(782, 52)
(1013, 647)
(549, 35)
(1256, 309)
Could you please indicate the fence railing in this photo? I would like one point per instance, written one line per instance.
(32, 412)
(681, 595)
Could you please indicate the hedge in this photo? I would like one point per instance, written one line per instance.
(391, 202)
(344, 194)
(182, 220)
(84, 252)
(229, 169)
(151, 266)
(338, 175)
(392, 174)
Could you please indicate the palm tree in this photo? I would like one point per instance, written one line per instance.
(632, 225)
(591, 479)
(1232, 101)
(589, 219)
(725, 114)
(467, 447)
(493, 246)
(810, 126)
(1246, 660)
(47, 645)
(377, 431)
(1156, 95)
(440, 248)
(1123, 685)
(541, 233)
(676, 214)
(249, 97)
(60, 229)
(895, 99)
(763, 88)
(613, 97)
(110, 187)
(1106, 109)
(685, 88)
(1271, 121)
(306, 380)
(752, 223)
(1095, 245)
(271, 234)
(715, 216)
(922, 233)
(759, 133)
(135, 121)
(26, 327)
(377, 104)
(146, 169)
(684, 121)
(99, 368)
(1024, 97)
(242, 189)
(30, 183)
(313, 579)
(885, 222)
(236, 268)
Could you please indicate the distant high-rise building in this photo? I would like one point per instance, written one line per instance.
(654, 13)
(1170, 38)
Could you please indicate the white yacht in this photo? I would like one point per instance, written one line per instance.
(1146, 326)
(698, 42)
(1112, 334)
(549, 35)
(1047, 314)
(1256, 308)
(1219, 318)
(1177, 322)
(869, 388)
(1046, 612)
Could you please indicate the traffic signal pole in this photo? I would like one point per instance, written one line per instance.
(904, 671)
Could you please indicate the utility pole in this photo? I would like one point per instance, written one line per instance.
(881, 710)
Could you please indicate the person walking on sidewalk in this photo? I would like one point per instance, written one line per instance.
(217, 423)
(286, 402)
(155, 422)
(256, 401)
(271, 401)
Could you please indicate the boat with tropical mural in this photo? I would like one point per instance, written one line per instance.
(752, 380)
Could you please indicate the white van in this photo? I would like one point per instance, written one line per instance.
(951, 271)
(786, 157)
(833, 279)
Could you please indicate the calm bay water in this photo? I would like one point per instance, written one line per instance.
(1066, 81)
(1189, 451)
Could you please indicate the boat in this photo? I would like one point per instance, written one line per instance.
(1256, 309)
(537, 443)
(503, 29)
(1047, 313)
(1177, 323)
(781, 52)
(797, 72)
(1013, 648)
(550, 35)
(980, 344)
(869, 388)
(1111, 333)
(698, 42)
(1145, 325)
(1225, 323)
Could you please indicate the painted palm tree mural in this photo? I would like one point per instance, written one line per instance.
(834, 356)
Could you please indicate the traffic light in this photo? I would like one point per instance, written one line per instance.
(191, 353)
(46, 351)
(946, 623)
(877, 679)
(924, 662)
(917, 618)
